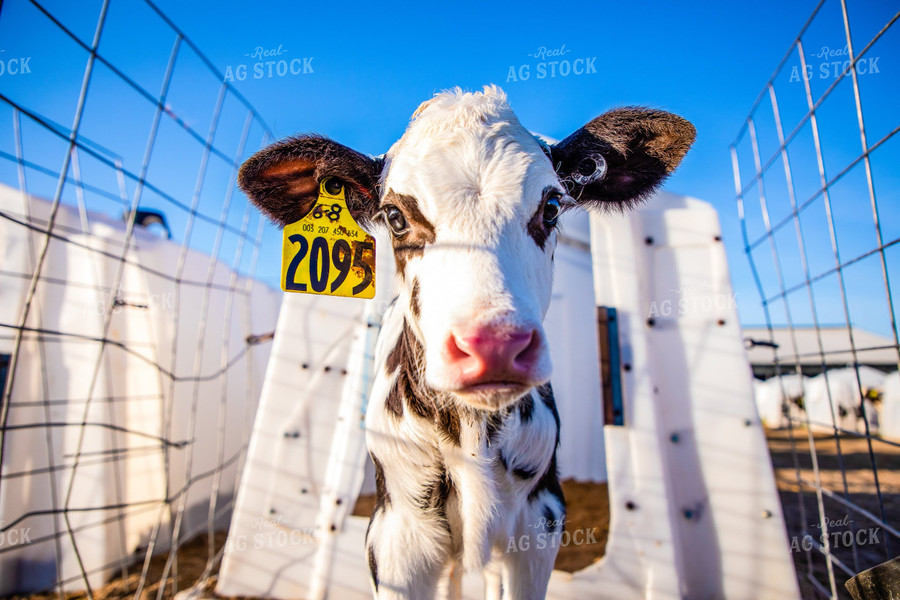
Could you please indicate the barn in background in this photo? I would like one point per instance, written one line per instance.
(876, 351)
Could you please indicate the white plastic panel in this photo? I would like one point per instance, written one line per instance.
(130, 406)
(690, 418)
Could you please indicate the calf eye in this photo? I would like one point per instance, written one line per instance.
(395, 219)
(551, 211)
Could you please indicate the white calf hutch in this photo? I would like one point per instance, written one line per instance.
(98, 438)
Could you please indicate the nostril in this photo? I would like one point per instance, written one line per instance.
(456, 349)
(530, 353)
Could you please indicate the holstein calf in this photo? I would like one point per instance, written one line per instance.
(462, 426)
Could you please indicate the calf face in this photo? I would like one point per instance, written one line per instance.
(471, 200)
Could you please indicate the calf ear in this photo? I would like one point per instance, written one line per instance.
(283, 179)
(622, 156)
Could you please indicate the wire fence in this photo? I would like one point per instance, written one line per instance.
(132, 328)
(132, 342)
(817, 200)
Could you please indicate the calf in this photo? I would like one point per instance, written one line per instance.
(462, 426)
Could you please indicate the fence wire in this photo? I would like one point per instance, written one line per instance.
(83, 442)
(813, 177)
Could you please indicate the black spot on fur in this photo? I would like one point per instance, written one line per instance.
(409, 394)
(436, 491)
(546, 394)
(495, 422)
(448, 423)
(549, 482)
(395, 357)
(414, 299)
(373, 567)
(382, 497)
(526, 408)
(404, 353)
(419, 406)
(435, 495)
(394, 401)
(402, 359)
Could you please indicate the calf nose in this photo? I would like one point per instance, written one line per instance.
(484, 354)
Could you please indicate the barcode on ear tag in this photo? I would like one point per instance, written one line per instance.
(326, 252)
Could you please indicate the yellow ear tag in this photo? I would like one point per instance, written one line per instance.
(326, 252)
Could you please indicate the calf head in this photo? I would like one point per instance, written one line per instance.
(471, 200)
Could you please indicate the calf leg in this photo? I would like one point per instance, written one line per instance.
(406, 555)
(450, 586)
(528, 564)
(493, 587)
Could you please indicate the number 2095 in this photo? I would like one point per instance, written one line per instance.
(321, 258)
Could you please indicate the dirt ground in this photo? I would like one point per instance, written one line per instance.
(192, 561)
(867, 540)
(588, 510)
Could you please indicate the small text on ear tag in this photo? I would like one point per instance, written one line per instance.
(326, 252)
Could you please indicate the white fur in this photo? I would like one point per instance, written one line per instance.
(478, 176)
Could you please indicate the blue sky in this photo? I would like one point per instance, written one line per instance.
(368, 65)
